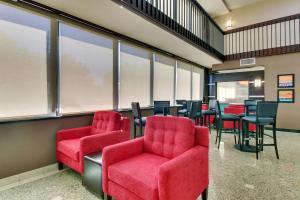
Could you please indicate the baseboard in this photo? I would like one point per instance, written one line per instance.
(27, 177)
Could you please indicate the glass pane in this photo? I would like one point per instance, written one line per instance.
(233, 92)
(23, 55)
(198, 83)
(163, 78)
(134, 76)
(86, 70)
(184, 81)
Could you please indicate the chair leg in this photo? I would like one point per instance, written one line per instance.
(256, 140)
(134, 131)
(107, 197)
(262, 138)
(217, 126)
(209, 126)
(234, 127)
(204, 194)
(275, 140)
(60, 166)
(220, 137)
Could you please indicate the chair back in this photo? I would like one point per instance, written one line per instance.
(168, 136)
(136, 110)
(250, 107)
(212, 104)
(161, 107)
(104, 121)
(196, 109)
(218, 110)
(267, 109)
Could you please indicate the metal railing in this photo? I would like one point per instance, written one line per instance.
(268, 38)
(185, 17)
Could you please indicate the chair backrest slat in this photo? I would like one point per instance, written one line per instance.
(196, 109)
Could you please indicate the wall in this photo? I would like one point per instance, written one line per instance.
(259, 12)
(28, 145)
(288, 114)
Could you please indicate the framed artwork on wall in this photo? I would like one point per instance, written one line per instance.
(286, 80)
(286, 96)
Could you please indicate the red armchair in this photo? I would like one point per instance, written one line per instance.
(169, 163)
(73, 144)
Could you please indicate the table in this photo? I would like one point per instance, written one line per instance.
(92, 175)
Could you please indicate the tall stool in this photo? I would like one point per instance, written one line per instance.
(220, 118)
(196, 111)
(266, 114)
(211, 111)
(138, 120)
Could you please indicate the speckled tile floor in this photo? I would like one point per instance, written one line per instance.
(234, 175)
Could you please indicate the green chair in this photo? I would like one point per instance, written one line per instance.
(220, 118)
(266, 114)
(196, 111)
(211, 111)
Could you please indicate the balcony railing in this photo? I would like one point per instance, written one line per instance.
(268, 38)
(186, 18)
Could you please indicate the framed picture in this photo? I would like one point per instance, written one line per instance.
(286, 80)
(286, 96)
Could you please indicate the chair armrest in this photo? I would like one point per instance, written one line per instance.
(73, 133)
(184, 177)
(96, 143)
(202, 136)
(118, 152)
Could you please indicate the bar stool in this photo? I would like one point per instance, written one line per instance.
(266, 114)
(220, 118)
(196, 111)
(138, 120)
(211, 111)
(161, 107)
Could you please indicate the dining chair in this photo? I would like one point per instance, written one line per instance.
(220, 119)
(138, 120)
(161, 107)
(266, 114)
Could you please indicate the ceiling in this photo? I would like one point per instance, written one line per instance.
(110, 15)
(217, 7)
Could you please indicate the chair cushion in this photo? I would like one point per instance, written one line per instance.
(261, 120)
(137, 121)
(182, 111)
(208, 112)
(138, 174)
(168, 136)
(106, 121)
(230, 117)
(70, 148)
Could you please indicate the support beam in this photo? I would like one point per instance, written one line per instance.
(226, 5)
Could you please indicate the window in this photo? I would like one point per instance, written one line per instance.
(184, 81)
(198, 83)
(233, 92)
(163, 88)
(134, 76)
(86, 70)
(23, 55)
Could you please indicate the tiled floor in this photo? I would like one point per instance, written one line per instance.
(233, 175)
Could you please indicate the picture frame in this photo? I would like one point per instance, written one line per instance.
(286, 95)
(286, 80)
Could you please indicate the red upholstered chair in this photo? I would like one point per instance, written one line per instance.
(169, 163)
(73, 144)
